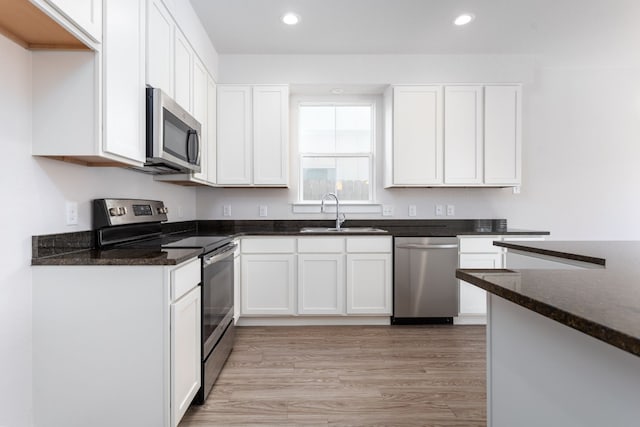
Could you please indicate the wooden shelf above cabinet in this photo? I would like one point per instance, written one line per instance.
(28, 26)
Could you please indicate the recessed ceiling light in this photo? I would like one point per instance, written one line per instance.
(464, 19)
(290, 18)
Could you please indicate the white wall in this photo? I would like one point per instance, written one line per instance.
(34, 192)
(581, 127)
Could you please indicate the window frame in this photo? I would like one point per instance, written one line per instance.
(370, 155)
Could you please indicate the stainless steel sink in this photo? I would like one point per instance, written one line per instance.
(342, 230)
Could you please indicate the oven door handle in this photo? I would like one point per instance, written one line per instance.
(225, 253)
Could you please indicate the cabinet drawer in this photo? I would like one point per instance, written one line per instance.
(185, 278)
(369, 244)
(321, 245)
(479, 245)
(269, 246)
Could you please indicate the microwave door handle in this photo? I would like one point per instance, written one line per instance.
(193, 146)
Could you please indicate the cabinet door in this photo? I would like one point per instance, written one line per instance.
(473, 300)
(160, 28)
(185, 352)
(369, 284)
(463, 157)
(200, 102)
(502, 135)
(417, 135)
(321, 284)
(123, 79)
(86, 14)
(211, 130)
(183, 66)
(268, 284)
(270, 135)
(234, 135)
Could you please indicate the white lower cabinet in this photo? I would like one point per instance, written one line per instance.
(369, 278)
(120, 344)
(473, 300)
(321, 284)
(336, 277)
(185, 352)
(268, 284)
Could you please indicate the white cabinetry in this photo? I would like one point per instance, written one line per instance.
(70, 122)
(417, 136)
(85, 14)
(341, 279)
(502, 139)
(476, 252)
(186, 339)
(321, 275)
(183, 71)
(463, 135)
(477, 127)
(133, 330)
(252, 142)
(268, 276)
(369, 275)
(160, 46)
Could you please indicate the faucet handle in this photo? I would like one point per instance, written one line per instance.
(342, 218)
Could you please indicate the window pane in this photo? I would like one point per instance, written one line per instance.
(353, 129)
(352, 178)
(317, 129)
(318, 177)
(348, 177)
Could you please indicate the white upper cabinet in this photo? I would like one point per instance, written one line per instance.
(270, 135)
(160, 38)
(417, 135)
(211, 130)
(463, 133)
(183, 71)
(123, 79)
(253, 135)
(85, 14)
(234, 128)
(200, 101)
(477, 127)
(502, 135)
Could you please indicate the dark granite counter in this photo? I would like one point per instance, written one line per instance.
(79, 248)
(603, 301)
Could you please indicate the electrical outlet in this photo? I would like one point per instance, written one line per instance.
(439, 210)
(451, 210)
(387, 210)
(72, 213)
(263, 210)
(516, 190)
(226, 210)
(412, 210)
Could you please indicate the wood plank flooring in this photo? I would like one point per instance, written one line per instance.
(350, 376)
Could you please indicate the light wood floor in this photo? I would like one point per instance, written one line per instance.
(350, 376)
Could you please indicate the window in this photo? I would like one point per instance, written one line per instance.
(336, 151)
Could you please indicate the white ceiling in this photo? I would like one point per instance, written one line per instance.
(422, 26)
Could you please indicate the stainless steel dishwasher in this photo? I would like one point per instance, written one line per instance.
(425, 286)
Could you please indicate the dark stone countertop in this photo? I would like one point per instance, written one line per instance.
(79, 248)
(603, 301)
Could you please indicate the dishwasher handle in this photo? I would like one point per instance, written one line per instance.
(416, 246)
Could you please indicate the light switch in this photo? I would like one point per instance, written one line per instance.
(263, 210)
(387, 210)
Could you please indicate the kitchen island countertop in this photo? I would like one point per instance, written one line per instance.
(603, 301)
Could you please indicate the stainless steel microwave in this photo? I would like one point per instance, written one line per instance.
(173, 136)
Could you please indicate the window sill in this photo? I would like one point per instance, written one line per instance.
(353, 207)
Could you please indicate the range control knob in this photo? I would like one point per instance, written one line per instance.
(113, 211)
(165, 210)
(123, 211)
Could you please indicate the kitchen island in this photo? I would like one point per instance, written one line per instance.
(563, 345)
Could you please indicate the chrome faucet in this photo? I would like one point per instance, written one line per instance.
(339, 219)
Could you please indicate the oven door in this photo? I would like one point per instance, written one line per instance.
(217, 295)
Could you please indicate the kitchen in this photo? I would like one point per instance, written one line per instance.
(579, 131)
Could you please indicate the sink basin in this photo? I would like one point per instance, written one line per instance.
(342, 230)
